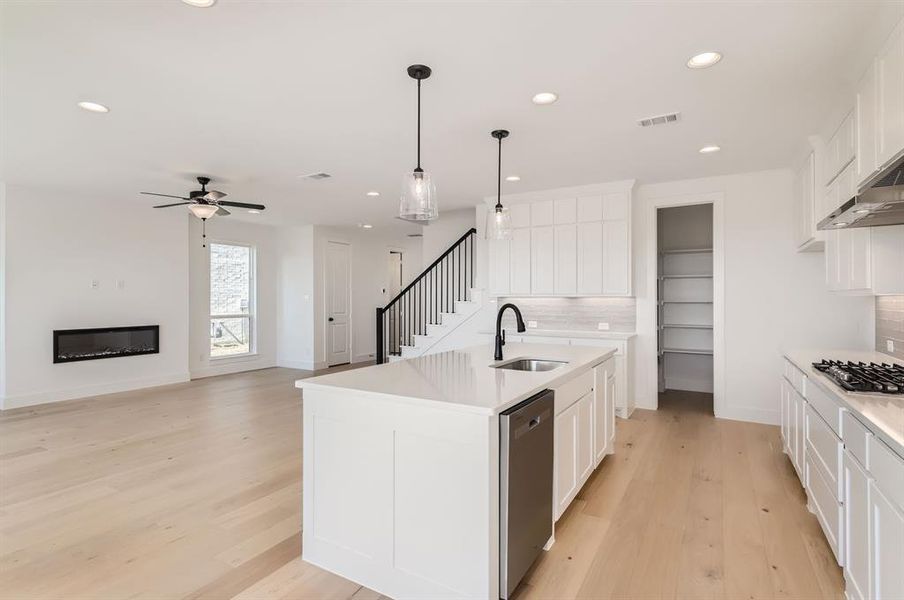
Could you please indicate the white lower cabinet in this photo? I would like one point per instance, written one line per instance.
(584, 431)
(887, 542)
(793, 430)
(856, 524)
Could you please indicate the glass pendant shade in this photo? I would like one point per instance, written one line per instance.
(203, 211)
(499, 224)
(418, 197)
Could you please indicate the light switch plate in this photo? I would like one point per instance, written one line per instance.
(532, 324)
(95, 284)
(890, 345)
(121, 284)
(602, 326)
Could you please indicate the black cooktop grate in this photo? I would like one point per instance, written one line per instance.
(871, 377)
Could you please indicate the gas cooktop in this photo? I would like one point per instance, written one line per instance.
(871, 377)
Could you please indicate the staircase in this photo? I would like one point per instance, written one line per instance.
(433, 305)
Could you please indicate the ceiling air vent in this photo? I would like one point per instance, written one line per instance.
(658, 120)
(316, 176)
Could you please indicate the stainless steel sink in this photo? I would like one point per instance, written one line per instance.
(531, 364)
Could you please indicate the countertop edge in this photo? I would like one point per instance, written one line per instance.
(826, 385)
(604, 355)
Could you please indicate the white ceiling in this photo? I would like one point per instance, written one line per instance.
(255, 94)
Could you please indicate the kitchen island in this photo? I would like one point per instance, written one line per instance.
(401, 462)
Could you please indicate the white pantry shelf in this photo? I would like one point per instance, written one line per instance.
(687, 351)
(688, 251)
(685, 326)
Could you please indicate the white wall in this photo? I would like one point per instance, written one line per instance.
(264, 240)
(774, 297)
(445, 231)
(56, 244)
(2, 292)
(296, 298)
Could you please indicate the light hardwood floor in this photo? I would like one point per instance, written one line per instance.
(194, 491)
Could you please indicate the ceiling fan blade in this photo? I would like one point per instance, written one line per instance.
(222, 212)
(164, 195)
(242, 205)
(173, 204)
(214, 195)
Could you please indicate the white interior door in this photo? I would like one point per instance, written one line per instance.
(338, 303)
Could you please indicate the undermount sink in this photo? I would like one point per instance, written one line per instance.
(531, 364)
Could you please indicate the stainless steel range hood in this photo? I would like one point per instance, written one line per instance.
(880, 204)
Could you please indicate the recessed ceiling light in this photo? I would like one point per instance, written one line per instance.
(254, 212)
(93, 107)
(373, 194)
(513, 178)
(545, 98)
(703, 60)
(200, 3)
(709, 149)
(365, 226)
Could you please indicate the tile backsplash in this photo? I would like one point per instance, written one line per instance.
(890, 324)
(574, 314)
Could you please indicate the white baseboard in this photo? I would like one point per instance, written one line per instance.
(304, 365)
(114, 387)
(752, 415)
(689, 385)
(363, 358)
(227, 368)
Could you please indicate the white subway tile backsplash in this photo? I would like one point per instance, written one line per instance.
(890, 324)
(575, 314)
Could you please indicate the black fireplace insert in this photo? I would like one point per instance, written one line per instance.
(70, 345)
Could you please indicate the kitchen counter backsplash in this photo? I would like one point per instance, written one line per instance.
(574, 314)
(890, 324)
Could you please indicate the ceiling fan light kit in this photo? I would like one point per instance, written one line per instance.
(499, 221)
(418, 203)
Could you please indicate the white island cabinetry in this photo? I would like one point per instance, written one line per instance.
(401, 462)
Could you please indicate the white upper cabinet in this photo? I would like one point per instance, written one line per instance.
(542, 260)
(576, 245)
(805, 212)
(890, 97)
(865, 127)
(566, 260)
(839, 149)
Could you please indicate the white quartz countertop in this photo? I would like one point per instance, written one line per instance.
(565, 333)
(882, 413)
(464, 379)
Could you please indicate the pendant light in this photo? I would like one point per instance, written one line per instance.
(418, 202)
(499, 221)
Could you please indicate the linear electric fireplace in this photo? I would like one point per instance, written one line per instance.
(70, 345)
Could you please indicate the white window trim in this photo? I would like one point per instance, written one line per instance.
(252, 304)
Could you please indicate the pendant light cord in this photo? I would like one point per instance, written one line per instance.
(499, 178)
(418, 169)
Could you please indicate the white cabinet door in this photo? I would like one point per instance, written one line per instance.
(566, 259)
(520, 261)
(590, 209)
(566, 443)
(865, 116)
(887, 533)
(542, 252)
(590, 258)
(785, 416)
(565, 211)
(541, 213)
(890, 92)
(612, 389)
(600, 414)
(856, 524)
(500, 267)
(585, 438)
(805, 204)
(520, 214)
(616, 258)
(859, 246)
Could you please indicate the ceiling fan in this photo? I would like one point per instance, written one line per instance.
(205, 203)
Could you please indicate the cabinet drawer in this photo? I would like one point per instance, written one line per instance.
(571, 391)
(887, 468)
(826, 449)
(827, 407)
(855, 437)
(796, 378)
(827, 508)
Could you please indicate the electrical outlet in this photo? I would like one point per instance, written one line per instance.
(95, 284)
(532, 324)
(602, 326)
(121, 284)
(890, 345)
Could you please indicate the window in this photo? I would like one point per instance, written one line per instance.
(231, 300)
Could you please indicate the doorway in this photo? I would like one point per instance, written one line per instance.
(337, 273)
(684, 294)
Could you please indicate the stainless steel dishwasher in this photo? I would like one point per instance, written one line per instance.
(525, 486)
